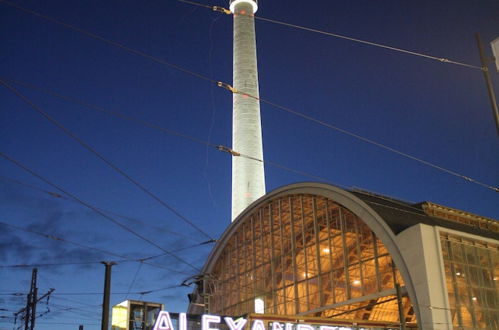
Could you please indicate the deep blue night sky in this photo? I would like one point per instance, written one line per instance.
(434, 111)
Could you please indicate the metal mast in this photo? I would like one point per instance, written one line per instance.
(248, 178)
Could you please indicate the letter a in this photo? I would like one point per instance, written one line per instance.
(163, 322)
(258, 325)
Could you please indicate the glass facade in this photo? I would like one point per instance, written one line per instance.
(471, 272)
(308, 255)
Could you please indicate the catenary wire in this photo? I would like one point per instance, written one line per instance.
(133, 281)
(372, 142)
(60, 239)
(335, 35)
(102, 158)
(195, 4)
(227, 86)
(56, 195)
(60, 196)
(119, 293)
(235, 153)
(174, 251)
(68, 199)
(370, 43)
(77, 302)
(49, 264)
(151, 125)
(108, 41)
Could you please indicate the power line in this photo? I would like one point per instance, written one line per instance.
(49, 264)
(154, 126)
(120, 293)
(177, 250)
(367, 140)
(370, 43)
(52, 237)
(335, 35)
(101, 157)
(287, 109)
(107, 217)
(133, 280)
(235, 153)
(92, 262)
(100, 293)
(284, 108)
(108, 41)
(57, 195)
(78, 302)
(60, 239)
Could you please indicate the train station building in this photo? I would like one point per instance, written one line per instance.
(316, 251)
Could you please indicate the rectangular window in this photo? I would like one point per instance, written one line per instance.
(472, 288)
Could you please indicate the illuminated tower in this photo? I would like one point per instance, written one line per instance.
(248, 179)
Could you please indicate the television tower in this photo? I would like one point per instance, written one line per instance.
(248, 178)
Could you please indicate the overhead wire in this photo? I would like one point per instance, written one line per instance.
(335, 35)
(60, 196)
(151, 125)
(133, 280)
(106, 216)
(120, 293)
(235, 153)
(48, 264)
(68, 199)
(370, 43)
(72, 308)
(234, 91)
(213, 108)
(77, 302)
(194, 3)
(55, 294)
(174, 251)
(108, 41)
(60, 239)
(101, 157)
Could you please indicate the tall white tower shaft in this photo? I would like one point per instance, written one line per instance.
(248, 178)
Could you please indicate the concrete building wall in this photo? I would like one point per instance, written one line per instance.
(421, 250)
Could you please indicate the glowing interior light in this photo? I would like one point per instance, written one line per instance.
(326, 250)
(495, 278)
(474, 298)
(259, 306)
(458, 274)
(356, 282)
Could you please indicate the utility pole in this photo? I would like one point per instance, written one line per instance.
(485, 69)
(32, 299)
(107, 291)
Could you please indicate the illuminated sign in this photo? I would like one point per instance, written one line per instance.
(209, 322)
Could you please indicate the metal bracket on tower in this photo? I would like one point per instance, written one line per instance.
(227, 87)
(229, 150)
(221, 10)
